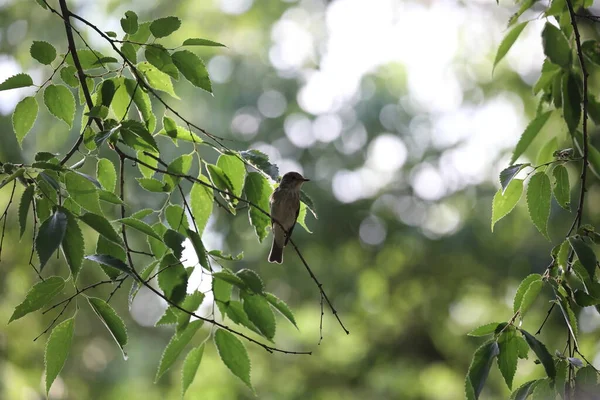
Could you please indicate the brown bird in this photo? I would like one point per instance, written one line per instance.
(285, 206)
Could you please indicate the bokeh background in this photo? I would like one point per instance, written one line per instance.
(392, 109)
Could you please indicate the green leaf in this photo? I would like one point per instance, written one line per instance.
(106, 173)
(177, 218)
(87, 58)
(252, 280)
(157, 246)
(260, 161)
(234, 355)
(50, 236)
(530, 295)
(161, 59)
(192, 68)
(16, 81)
(584, 300)
(174, 240)
(235, 312)
(504, 203)
(130, 22)
(179, 166)
(57, 350)
(541, 352)
(136, 136)
(221, 292)
(258, 191)
(154, 185)
(229, 257)
(69, 76)
(24, 117)
(102, 226)
(556, 46)
(60, 102)
(110, 261)
(164, 26)
(201, 42)
(43, 52)
(199, 249)
(508, 355)
(561, 187)
(191, 304)
(524, 390)
(480, 367)
(585, 254)
(136, 284)
(591, 49)
(190, 367)
(508, 41)
(507, 174)
(156, 78)
(228, 277)
(172, 130)
(546, 153)
(141, 99)
(73, 246)
(83, 192)
(523, 286)
(586, 383)
(143, 213)
(484, 330)
(173, 278)
(543, 390)
(258, 310)
(201, 202)
(538, 201)
(140, 226)
(111, 320)
(529, 134)
(38, 296)
(282, 307)
(175, 347)
(234, 169)
(24, 205)
(571, 103)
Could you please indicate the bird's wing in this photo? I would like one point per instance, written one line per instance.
(289, 234)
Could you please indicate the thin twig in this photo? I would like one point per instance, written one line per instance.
(5, 216)
(54, 320)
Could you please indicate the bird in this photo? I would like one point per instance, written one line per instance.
(285, 206)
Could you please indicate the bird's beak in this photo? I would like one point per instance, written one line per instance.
(306, 179)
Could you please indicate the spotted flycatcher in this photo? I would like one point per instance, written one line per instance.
(285, 206)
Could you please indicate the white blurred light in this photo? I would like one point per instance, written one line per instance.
(246, 122)
(427, 182)
(327, 128)
(298, 129)
(271, 151)
(386, 153)
(288, 165)
(352, 139)
(220, 69)
(235, 7)
(293, 45)
(346, 186)
(372, 231)
(16, 32)
(441, 220)
(272, 104)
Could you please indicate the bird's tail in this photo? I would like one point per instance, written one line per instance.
(276, 255)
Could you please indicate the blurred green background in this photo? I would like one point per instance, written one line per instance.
(390, 107)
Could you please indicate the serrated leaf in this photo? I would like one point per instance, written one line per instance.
(176, 132)
(201, 42)
(190, 367)
(230, 257)
(161, 59)
(38, 296)
(484, 330)
(16, 81)
(561, 187)
(571, 101)
(260, 161)
(154, 185)
(507, 174)
(530, 295)
(524, 390)
(83, 192)
(140, 226)
(57, 350)
(179, 166)
(508, 356)
(556, 46)
(233, 167)
(221, 292)
(480, 367)
(585, 254)
(177, 218)
(110, 261)
(43, 52)
(563, 254)
(199, 249)
(192, 68)
(235, 312)
(157, 246)
(228, 277)
(191, 304)
(24, 205)
(282, 307)
(174, 240)
(142, 101)
(301, 219)
(584, 300)
(24, 117)
(73, 245)
(69, 76)
(258, 191)
(50, 236)
(157, 79)
(508, 41)
(163, 27)
(503, 203)
(106, 173)
(175, 347)
(60, 102)
(111, 320)
(523, 286)
(252, 280)
(102, 226)
(136, 136)
(143, 213)
(529, 134)
(591, 49)
(586, 383)
(201, 203)
(129, 23)
(87, 58)
(234, 355)
(259, 312)
(173, 278)
(136, 285)
(541, 352)
(543, 390)
(538, 201)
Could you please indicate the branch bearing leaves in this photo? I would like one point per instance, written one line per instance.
(252, 280)
(541, 352)
(480, 368)
(179, 166)
(16, 81)
(157, 78)
(50, 236)
(174, 240)
(201, 42)
(556, 46)
(507, 174)
(199, 249)
(173, 278)
(504, 203)
(60, 102)
(136, 136)
(73, 245)
(110, 261)
(192, 68)
(177, 218)
(234, 355)
(190, 367)
(260, 161)
(57, 350)
(161, 59)
(38, 296)
(154, 185)
(111, 320)
(538, 201)
(508, 41)
(24, 205)
(83, 192)
(102, 226)
(591, 49)
(24, 117)
(201, 202)
(140, 226)
(508, 345)
(43, 52)
(585, 254)
(484, 330)
(523, 287)
(258, 191)
(176, 346)
(282, 307)
(234, 169)
(129, 23)
(529, 134)
(259, 312)
(561, 187)
(163, 27)
(571, 103)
